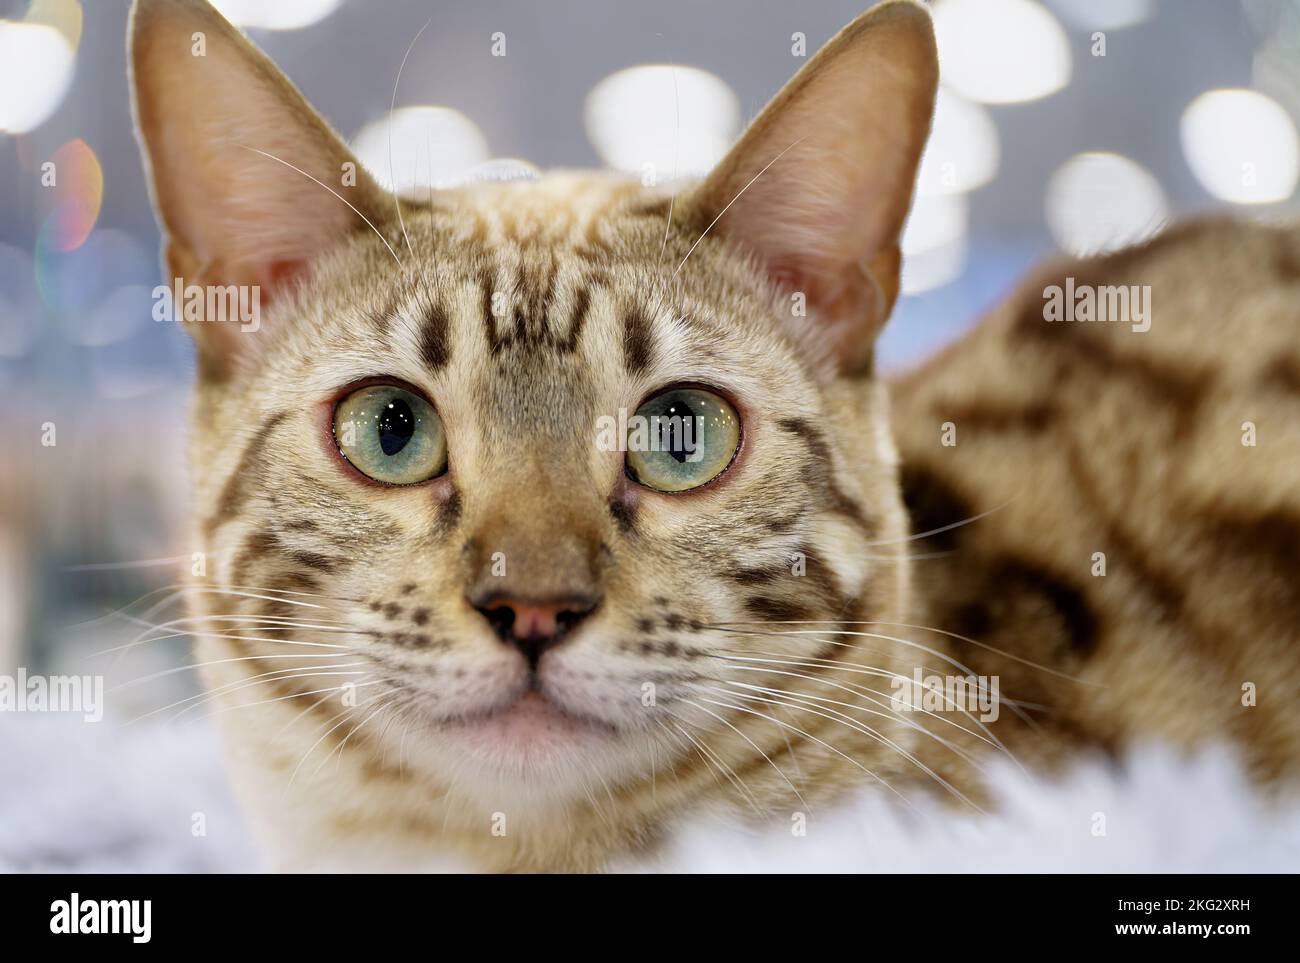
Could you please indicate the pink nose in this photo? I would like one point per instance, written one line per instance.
(534, 626)
(533, 621)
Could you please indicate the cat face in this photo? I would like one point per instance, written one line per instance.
(413, 477)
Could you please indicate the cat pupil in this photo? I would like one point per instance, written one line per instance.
(396, 426)
(672, 430)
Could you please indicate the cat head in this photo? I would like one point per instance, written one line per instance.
(441, 452)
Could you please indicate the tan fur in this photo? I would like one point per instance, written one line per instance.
(1099, 438)
(701, 594)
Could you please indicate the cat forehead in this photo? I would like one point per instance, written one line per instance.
(508, 290)
(531, 264)
(561, 208)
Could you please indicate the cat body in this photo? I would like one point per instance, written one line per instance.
(531, 659)
(1142, 529)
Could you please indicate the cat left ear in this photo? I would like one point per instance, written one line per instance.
(820, 184)
(242, 168)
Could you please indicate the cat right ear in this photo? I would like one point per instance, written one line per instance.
(241, 167)
(820, 184)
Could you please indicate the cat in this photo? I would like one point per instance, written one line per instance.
(444, 625)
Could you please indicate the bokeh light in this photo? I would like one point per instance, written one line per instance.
(276, 14)
(1000, 51)
(662, 120)
(936, 267)
(934, 222)
(1242, 146)
(63, 15)
(935, 242)
(20, 304)
(36, 66)
(76, 196)
(1104, 14)
(420, 147)
(73, 283)
(962, 153)
(1099, 202)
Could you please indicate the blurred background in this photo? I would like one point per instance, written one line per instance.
(1062, 124)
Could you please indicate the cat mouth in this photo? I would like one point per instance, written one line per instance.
(531, 725)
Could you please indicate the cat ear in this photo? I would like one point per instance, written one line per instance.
(212, 114)
(820, 184)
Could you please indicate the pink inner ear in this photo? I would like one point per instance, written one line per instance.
(821, 290)
(275, 277)
(281, 273)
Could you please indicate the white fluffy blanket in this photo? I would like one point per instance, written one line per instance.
(91, 798)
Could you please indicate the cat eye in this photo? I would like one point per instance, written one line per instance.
(390, 435)
(682, 439)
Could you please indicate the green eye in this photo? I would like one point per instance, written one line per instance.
(391, 435)
(681, 439)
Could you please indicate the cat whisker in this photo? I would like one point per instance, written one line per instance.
(814, 662)
(733, 201)
(294, 775)
(677, 138)
(871, 671)
(711, 757)
(144, 640)
(285, 698)
(352, 732)
(236, 686)
(363, 217)
(928, 628)
(126, 566)
(200, 665)
(943, 528)
(821, 633)
(892, 714)
(891, 717)
(988, 737)
(809, 736)
(852, 724)
(867, 730)
(338, 688)
(392, 108)
(176, 590)
(766, 757)
(263, 623)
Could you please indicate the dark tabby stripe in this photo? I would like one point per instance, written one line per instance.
(235, 491)
(322, 563)
(1265, 546)
(487, 288)
(1008, 579)
(1164, 589)
(1284, 373)
(434, 349)
(448, 514)
(623, 515)
(823, 471)
(1074, 344)
(581, 305)
(773, 609)
(636, 341)
(257, 545)
(1032, 417)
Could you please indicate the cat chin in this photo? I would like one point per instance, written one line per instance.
(531, 748)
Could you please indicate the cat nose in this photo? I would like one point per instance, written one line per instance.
(534, 626)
